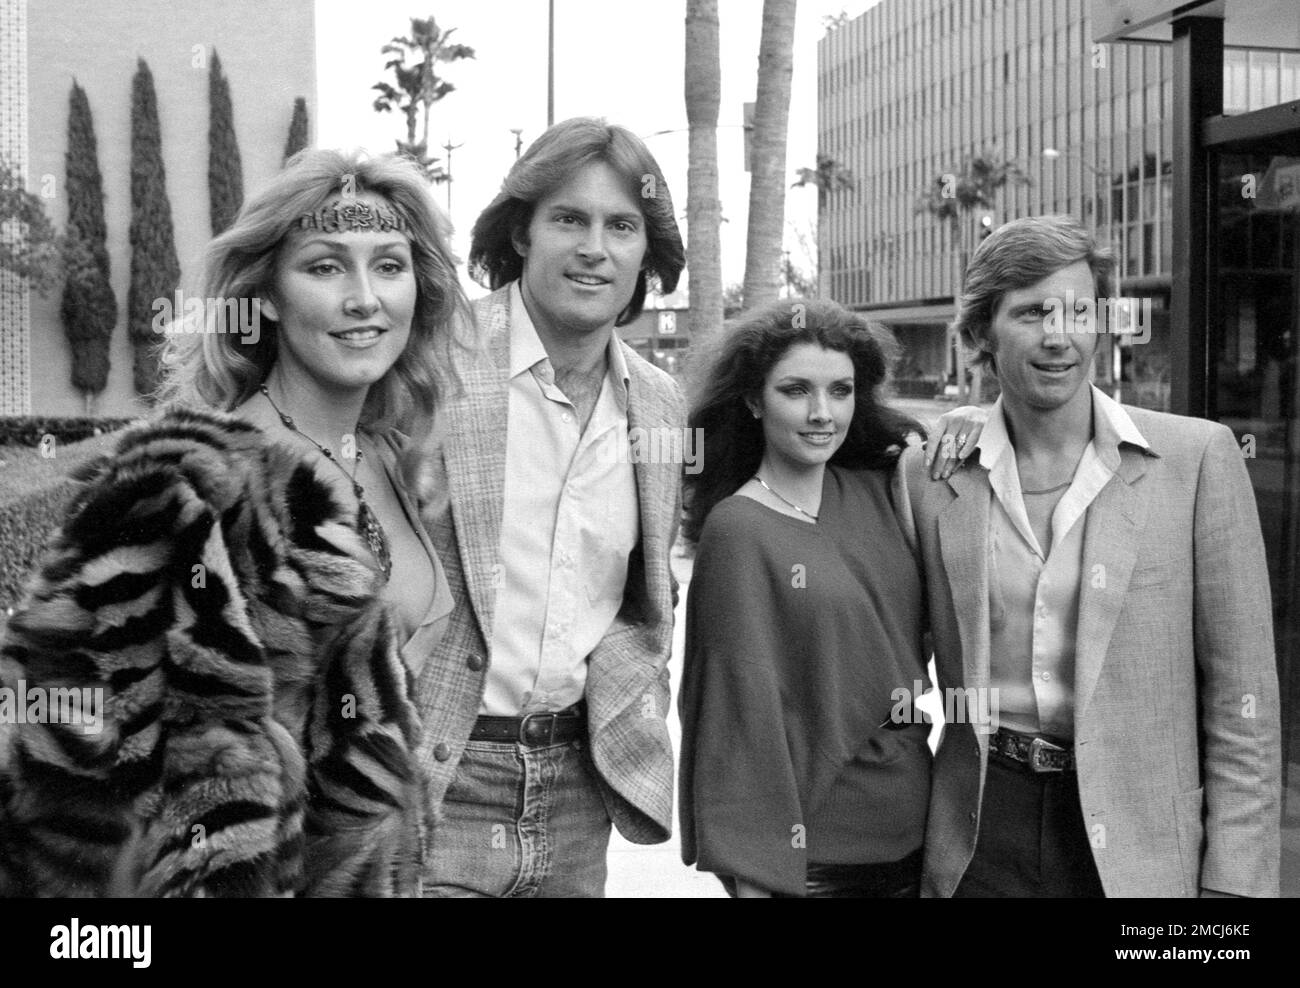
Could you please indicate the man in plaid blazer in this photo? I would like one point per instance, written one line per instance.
(544, 704)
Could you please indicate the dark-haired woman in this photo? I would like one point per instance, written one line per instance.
(805, 768)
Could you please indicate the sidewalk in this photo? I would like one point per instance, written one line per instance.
(655, 871)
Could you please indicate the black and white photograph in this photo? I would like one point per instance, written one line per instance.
(678, 450)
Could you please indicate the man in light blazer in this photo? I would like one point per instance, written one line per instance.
(544, 705)
(1096, 578)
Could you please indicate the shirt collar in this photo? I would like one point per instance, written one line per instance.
(527, 351)
(1111, 425)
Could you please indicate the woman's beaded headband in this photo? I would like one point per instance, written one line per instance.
(353, 215)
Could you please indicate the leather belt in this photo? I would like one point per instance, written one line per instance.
(533, 730)
(1037, 753)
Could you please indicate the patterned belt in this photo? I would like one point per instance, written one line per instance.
(534, 730)
(1039, 754)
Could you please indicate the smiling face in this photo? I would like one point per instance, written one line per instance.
(344, 302)
(585, 246)
(1038, 369)
(806, 405)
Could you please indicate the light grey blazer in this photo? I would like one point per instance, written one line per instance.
(1176, 714)
(627, 689)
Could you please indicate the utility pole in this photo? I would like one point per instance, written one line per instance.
(550, 64)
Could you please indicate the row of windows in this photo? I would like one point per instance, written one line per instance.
(886, 35)
(1256, 79)
(1113, 172)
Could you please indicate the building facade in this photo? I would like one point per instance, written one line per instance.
(912, 89)
(1170, 127)
(268, 56)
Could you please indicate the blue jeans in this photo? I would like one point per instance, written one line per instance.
(520, 822)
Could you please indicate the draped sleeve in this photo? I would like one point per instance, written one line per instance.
(741, 806)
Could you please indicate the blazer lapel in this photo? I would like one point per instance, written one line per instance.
(653, 481)
(963, 546)
(1109, 552)
(476, 456)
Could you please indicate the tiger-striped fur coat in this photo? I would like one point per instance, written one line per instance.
(257, 733)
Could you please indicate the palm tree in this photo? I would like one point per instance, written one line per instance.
(419, 86)
(763, 269)
(955, 197)
(703, 206)
(830, 177)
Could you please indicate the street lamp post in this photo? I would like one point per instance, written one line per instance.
(449, 148)
(1053, 154)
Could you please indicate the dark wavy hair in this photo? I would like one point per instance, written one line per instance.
(750, 347)
(545, 167)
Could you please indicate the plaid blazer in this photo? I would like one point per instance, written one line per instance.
(627, 690)
(1176, 718)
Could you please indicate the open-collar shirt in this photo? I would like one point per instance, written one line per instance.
(1034, 590)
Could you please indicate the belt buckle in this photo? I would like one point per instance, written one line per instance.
(524, 728)
(1038, 749)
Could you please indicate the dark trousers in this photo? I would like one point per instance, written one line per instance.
(1032, 840)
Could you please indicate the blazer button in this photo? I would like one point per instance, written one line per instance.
(443, 752)
(475, 662)
(972, 812)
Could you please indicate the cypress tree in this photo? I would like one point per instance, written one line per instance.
(225, 172)
(297, 129)
(155, 271)
(89, 307)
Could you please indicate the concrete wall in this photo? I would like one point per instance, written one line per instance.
(268, 54)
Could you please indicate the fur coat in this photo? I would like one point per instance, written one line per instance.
(257, 736)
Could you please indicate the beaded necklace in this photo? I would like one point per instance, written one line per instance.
(367, 524)
(784, 498)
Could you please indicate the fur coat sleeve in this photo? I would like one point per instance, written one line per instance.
(226, 713)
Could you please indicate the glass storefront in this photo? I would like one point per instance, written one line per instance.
(1255, 390)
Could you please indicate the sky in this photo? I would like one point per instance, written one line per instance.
(618, 59)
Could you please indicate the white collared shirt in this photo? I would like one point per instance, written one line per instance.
(1034, 595)
(569, 522)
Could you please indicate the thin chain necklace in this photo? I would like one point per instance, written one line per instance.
(778, 494)
(367, 523)
(1050, 490)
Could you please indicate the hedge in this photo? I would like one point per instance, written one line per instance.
(29, 430)
(34, 494)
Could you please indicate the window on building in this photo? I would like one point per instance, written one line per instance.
(1264, 79)
(1236, 94)
(1289, 77)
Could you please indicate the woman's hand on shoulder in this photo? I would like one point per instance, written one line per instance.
(954, 438)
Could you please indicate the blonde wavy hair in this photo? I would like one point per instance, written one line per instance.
(211, 365)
